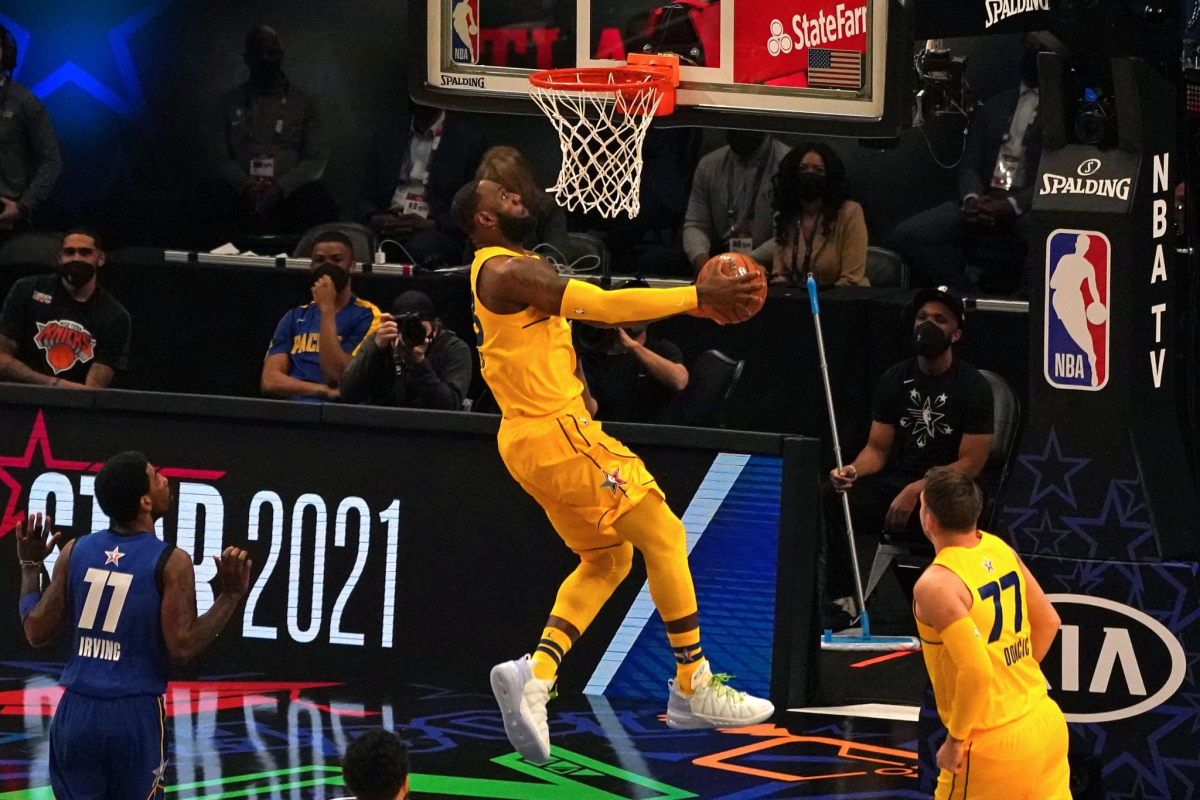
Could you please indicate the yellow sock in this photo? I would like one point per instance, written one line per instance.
(553, 645)
(652, 528)
(580, 598)
(689, 656)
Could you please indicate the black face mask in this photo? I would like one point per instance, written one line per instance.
(930, 340)
(514, 228)
(809, 186)
(1029, 70)
(77, 273)
(744, 143)
(339, 276)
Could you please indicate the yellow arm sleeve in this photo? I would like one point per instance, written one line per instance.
(582, 300)
(974, 684)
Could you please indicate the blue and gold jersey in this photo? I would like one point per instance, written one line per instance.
(299, 334)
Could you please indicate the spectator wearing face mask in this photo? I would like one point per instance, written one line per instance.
(314, 344)
(817, 228)
(64, 329)
(730, 206)
(931, 410)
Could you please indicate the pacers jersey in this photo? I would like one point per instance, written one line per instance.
(993, 575)
(526, 358)
(114, 599)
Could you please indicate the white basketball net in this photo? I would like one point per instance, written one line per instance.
(600, 134)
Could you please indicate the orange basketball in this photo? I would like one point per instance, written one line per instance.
(733, 265)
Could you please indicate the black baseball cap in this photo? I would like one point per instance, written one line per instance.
(414, 302)
(941, 294)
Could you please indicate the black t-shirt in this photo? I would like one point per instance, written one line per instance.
(931, 414)
(622, 387)
(60, 337)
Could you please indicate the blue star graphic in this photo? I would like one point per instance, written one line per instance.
(1104, 522)
(1054, 469)
(1043, 538)
(50, 47)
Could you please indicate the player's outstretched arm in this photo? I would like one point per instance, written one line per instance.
(942, 601)
(1044, 621)
(45, 618)
(509, 285)
(185, 633)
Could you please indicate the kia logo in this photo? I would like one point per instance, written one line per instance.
(1089, 167)
(1110, 661)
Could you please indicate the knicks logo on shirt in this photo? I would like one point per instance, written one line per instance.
(66, 344)
(1078, 270)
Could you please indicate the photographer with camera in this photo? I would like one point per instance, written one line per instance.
(410, 362)
(631, 376)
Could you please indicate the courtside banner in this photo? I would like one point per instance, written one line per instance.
(389, 551)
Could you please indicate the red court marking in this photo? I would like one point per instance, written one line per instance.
(888, 657)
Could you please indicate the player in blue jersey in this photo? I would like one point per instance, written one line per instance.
(129, 602)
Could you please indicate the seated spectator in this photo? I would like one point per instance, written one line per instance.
(376, 767)
(730, 207)
(30, 162)
(411, 361)
(932, 410)
(269, 145)
(64, 329)
(412, 175)
(817, 228)
(630, 375)
(313, 344)
(507, 167)
(996, 182)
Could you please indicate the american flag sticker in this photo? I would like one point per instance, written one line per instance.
(837, 69)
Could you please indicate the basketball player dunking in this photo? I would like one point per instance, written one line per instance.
(598, 495)
(985, 626)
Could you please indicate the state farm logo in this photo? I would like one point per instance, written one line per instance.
(65, 342)
(779, 42)
(1089, 167)
(1110, 661)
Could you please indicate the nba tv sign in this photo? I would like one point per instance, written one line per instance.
(1076, 335)
(1110, 661)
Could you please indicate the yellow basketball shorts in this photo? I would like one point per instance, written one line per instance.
(583, 478)
(1023, 760)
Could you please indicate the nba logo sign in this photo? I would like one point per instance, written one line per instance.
(1078, 273)
(465, 32)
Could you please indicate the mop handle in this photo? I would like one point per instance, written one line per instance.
(837, 454)
(816, 311)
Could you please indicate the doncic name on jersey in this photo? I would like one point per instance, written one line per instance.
(1076, 334)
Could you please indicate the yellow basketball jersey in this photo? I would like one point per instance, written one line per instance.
(527, 358)
(993, 575)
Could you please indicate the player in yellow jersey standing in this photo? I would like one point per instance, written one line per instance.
(985, 626)
(599, 496)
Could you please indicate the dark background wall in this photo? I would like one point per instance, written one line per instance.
(133, 141)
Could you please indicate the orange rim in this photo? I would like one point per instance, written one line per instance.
(613, 80)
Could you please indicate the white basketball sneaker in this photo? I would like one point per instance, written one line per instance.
(713, 704)
(522, 699)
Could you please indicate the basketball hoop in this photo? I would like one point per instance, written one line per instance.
(602, 115)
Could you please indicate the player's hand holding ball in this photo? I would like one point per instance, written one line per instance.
(731, 288)
(1097, 314)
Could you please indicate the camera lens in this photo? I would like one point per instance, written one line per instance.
(1090, 126)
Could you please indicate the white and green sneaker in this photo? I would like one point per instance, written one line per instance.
(714, 704)
(522, 699)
